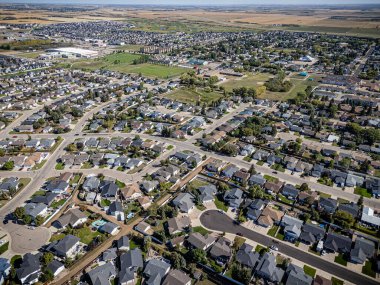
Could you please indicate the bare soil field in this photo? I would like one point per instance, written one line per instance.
(350, 22)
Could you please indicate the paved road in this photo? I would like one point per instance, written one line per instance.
(217, 221)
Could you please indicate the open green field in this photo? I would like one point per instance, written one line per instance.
(251, 80)
(256, 80)
(192, 96)
(123, 62)
(151, 70)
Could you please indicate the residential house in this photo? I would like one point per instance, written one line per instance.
(72, 218)
(363, 249)
(207, 193)
(246, 256)
(267, 268)
(102, 274)
(297, 275)
(155, 270)
(292, 228)
(197, 240)
(234, 197)
(310, 234)
(178, 224)
(66, 247)
(177, 277)
(221, 250)
(116, 210)
(369, 217)
(328, 205)
(184, 202)
(337, 243)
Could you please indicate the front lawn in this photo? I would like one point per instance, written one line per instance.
(220, 205)
(59, 166)
(368, 269)
(272, 231)
(362, 192)
(336, 281)
(270, 178)
(201, 230)
(105, 203)
(340, 259)
(309, 270)
(57, 204)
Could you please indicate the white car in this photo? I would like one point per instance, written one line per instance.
(275, 248)
(323, 253)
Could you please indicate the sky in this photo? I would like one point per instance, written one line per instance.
(200, 2)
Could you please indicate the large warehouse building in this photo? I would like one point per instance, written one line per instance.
(71, 52)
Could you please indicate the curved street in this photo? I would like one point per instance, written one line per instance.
(217, 221)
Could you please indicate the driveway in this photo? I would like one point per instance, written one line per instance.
(214, 220)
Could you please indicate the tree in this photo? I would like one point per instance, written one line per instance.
(343, 219)
(39, 220)
(256, 192)
(19, 213)
(241, 274)
(47, 258)
(222, 187)
(27, 219)
(47, 276)
(9, 165)
(197, 255)
(178, 260)
(304, 187)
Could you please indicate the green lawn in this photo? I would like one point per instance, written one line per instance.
(220, 205)
(324, 195)
(259, 248)
(4, 247)
(270, 178)
(282, 198)
(39, 165)
(309, 270)
(120, 184)
(57, 204)
(152, 70)
(59, 166)
(362, 192)
(340, 259)
(57, 237)
(201, 230)
(272, 231)
(278, 167)
(86, 165)
(196, 183)
(193, 96)
(105, 203)
(86, 235)
(336, 281)
(250, 80)
(368, 269)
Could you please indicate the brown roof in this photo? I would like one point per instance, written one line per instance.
(319, 280)
(129, 190)
(274, 214)
(273, 186)
(265, 220)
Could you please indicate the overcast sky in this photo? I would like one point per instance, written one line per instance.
(199, 2)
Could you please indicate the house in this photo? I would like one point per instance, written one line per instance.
(241, 176)
(57, 186)
(184, 202)
(47, 199)
(317, 170)
(131, 192)
(66, 247)
(116, 210)
(110, 228)
(178, 224)
(144, 202)
(177, 277)
(351, 208)
(319, 280)
(109, 190)
(144, 228)
(290, 191)
(246, 256)
(369, 217)
(297, 275)
(257, 179)
(30, 269)
(197, 240)
(363, 249)
(149, 186)
(273, 187)
(328, 205)
(310, 234)
(91, 184)
(267, 268)
(109, 254)
(132, 260)
(102, 274)
(234, 197)
(292, 228)
(207, 193)
(123, 243)
(33, 210)
(155, 270)
(337, 243)
(72, 218)
(215, 166)
(221, 250)
(229, 171)
(269, 217)
(56, 267)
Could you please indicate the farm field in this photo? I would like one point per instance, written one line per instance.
(192, 96)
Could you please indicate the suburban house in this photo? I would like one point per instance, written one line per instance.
(184, 202)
